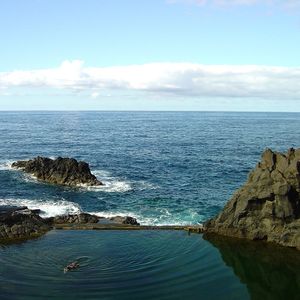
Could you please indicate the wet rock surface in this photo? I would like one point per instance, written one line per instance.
(267, 206)
(81, 218)
(124, 220)
(21, 223)
(64, 171)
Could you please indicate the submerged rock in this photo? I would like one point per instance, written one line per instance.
(65, 171)
(267, 206)
(17, 223)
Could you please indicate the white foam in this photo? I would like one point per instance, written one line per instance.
(117, 185)
(111, 187)
(107, 214)
(49, 208)
(144, 185)
(6, 165)
(111, 184)
(160, 220)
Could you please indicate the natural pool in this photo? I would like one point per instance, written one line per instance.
(146, 265)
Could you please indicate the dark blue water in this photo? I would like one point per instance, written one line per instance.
(161, 167)
(117, 265)
(147, 265)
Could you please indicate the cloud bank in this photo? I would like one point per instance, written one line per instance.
(274, 3)
(161, 79)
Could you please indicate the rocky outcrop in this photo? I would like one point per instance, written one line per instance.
(267, 207)
(84, 218)
(65, 171)
(21, 223)
(124, 220)
(81, 218)
(18, 223)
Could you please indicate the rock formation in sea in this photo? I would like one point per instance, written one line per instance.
(124, 220)
(21, 223)
(82, 218)
(65, 171)
(267, 206)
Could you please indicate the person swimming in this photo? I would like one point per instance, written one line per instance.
(72, 266)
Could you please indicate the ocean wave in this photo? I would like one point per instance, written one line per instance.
(162, 218)
(6, 165)
(52, 208)
(109, 187)
(111, 183)
(116, 184)
(49, 208)
(145, 185)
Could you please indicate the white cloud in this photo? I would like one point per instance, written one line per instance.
(276, 3)
(161, 79)
(95, 95)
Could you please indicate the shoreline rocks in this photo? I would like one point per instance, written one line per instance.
(21, 223)
(267, 206)
(124, 220)
(62, 171)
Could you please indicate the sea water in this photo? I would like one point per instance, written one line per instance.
(162, 168)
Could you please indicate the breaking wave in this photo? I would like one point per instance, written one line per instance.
(114, 184)
(6, 165)
(111, 183)
(49, 208)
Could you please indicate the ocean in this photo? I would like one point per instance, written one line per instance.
(160, 167)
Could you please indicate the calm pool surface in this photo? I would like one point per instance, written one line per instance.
(146, 265)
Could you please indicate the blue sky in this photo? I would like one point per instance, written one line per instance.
(150, 55)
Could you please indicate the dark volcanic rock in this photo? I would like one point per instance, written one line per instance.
(20, 223)
(125, 220)
(65, 171)
(81, 218)
(267, 207)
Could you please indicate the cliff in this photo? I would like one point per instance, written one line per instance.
(267, 206)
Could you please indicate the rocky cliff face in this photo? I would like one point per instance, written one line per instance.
(267, 207)
(65, 171)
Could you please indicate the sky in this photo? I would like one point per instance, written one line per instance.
(198, 55)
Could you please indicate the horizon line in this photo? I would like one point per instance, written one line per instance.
(162, 111)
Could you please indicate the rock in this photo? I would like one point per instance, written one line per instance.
(267, 206)
(18, 223)
(81, 218)
(65, 171)
(124, 220)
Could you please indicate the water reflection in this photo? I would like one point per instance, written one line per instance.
(269, 271)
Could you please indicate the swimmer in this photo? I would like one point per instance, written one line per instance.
(72, 266)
